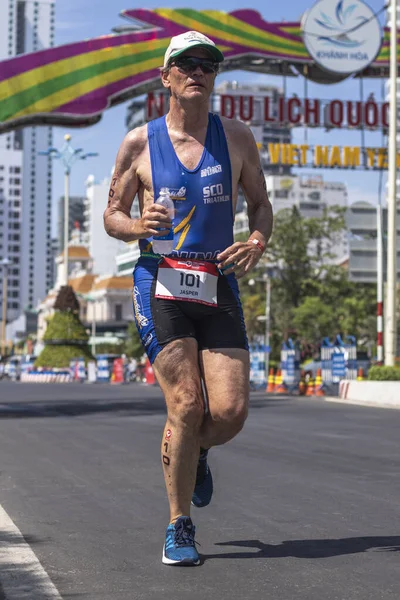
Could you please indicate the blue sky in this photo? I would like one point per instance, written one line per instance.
(77, 20)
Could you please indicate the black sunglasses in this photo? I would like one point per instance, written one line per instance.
(188, 64)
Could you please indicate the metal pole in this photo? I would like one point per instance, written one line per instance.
(379, 291)
(379, 260)
(362, 124)
(305, 74)
(94, 329)
(267, 326)
(390, 313)
(66, 225)
(4, 311)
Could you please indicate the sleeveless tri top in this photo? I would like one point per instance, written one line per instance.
(203, 224)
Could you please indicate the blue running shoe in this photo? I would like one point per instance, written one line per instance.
(179, 548)
(203, 490)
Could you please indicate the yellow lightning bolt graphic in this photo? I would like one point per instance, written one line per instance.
(184, 224)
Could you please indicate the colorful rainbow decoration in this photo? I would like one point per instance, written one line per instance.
(73, 84)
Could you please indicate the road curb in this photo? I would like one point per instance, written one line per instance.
(368, 403)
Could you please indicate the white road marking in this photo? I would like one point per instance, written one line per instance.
(22, 577)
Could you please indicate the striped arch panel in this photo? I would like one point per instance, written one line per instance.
(75, 83)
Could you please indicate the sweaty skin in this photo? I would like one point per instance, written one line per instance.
(180, 367)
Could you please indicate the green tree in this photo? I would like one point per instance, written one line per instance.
(311, 296)
(314, 319)
(301, 248)
(133, 345)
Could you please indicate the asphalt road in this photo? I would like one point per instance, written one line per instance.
(306, 503)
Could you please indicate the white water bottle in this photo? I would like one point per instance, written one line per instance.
(165, 243)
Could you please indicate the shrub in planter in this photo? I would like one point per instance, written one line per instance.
(384, 374)
(65, 337)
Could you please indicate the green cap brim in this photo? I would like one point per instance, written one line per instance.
(217, 54)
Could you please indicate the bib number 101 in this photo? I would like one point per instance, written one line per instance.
(190, 280)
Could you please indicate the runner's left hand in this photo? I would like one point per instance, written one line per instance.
(240, 258)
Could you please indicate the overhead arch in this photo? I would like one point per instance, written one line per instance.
(75, 83)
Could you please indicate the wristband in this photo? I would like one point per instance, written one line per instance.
(257, 243)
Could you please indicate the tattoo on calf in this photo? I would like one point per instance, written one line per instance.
(165, 458)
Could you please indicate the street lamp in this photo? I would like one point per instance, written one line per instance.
(68, 157)
(4, 263)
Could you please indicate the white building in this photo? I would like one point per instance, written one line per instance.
(10, 226)
(311, 194)
(102, 248)
(362, 225)
(28, 27)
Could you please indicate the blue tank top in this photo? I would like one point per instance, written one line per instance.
(203, 224)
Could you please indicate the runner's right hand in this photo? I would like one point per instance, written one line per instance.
(153, 218)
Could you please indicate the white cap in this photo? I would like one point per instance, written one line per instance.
(191, 39)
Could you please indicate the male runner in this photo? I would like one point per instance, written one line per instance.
(187, 306)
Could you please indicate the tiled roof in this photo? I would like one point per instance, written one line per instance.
(76, 252)
(114, 283)
(82, 284)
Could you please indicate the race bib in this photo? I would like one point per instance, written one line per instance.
(193, 281)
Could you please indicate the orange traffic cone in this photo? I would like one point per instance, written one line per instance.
(302, 384)
(310, 387)
(280, 386)
(360, 374)
(319, 385)
(271, 382)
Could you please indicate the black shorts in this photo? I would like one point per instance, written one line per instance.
(161, 321)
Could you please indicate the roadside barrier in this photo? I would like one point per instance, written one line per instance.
(72, 364)
(339, 359)
(46, 377)
(12, 371)
(257, 365)
(290, 364)
(374, 393)
(81, 370)
(149, 374)
(117, 376)
(103, 369)
(91, 372)
(26, 367)
(271, 382)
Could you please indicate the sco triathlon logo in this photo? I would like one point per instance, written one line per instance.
(342, 36)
